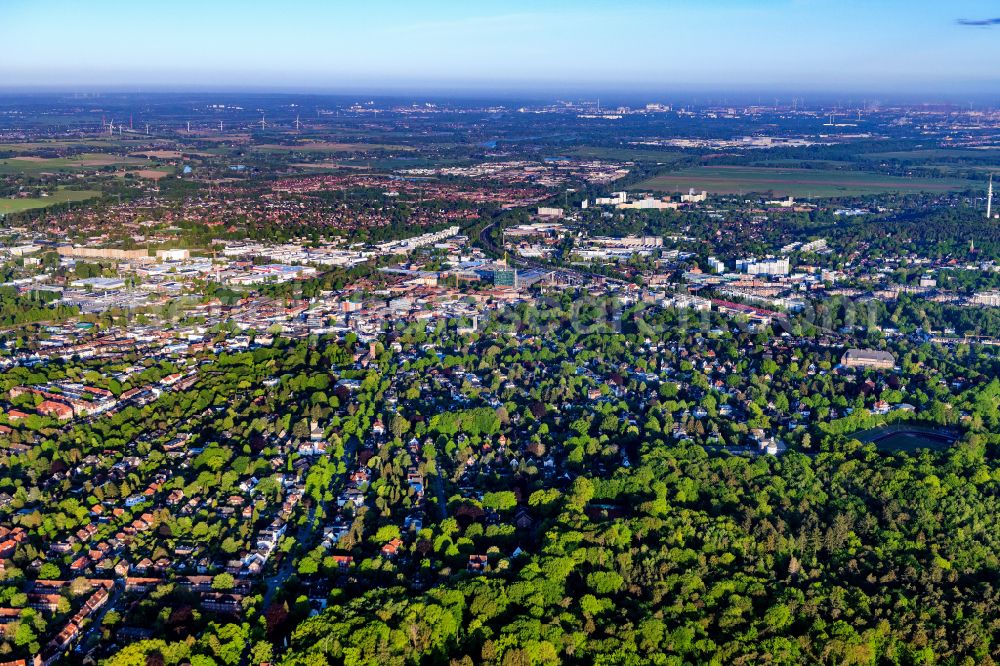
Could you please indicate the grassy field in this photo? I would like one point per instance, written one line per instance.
(933, 154)
(152, 174)
(63, 144)
(30, 146)
(911, 441)
(33, 165)
(58, 197)
(793, 163)
(794, 182)
(326, 166)
(907, 437)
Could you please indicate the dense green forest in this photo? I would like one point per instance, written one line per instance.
(852, 557)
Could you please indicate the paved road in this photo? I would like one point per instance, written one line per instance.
(304, 536)
(442, 501)
(95, 620)
(278, 578)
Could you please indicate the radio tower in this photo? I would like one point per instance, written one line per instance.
(989, 198)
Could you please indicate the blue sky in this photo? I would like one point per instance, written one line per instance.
(841, 45)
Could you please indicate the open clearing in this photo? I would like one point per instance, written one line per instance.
(57, 197)
(795, 182)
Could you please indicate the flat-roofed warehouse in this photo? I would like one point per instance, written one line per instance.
(868, 358)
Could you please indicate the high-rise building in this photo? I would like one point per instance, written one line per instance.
(764, 266)
(716, 265)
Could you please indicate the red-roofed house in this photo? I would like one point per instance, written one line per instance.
(57, 409)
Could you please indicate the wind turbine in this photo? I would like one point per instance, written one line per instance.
(297, 124)
(111, 127)
(263, 123)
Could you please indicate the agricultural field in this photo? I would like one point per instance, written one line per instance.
(165, 154)
(935, 154)
(328, 147)
(790, 163)
(325, 165)
(34, 164)
(795, 182)
(82, 143)
(152, 174)
(58, 197)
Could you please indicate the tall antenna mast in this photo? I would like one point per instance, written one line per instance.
(989, 198)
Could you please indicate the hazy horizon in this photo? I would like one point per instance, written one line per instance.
(795, 47)
(527, 94)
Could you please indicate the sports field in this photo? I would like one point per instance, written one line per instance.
(907, 437)
(58, 197)
(911, 441)
(795, 182)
